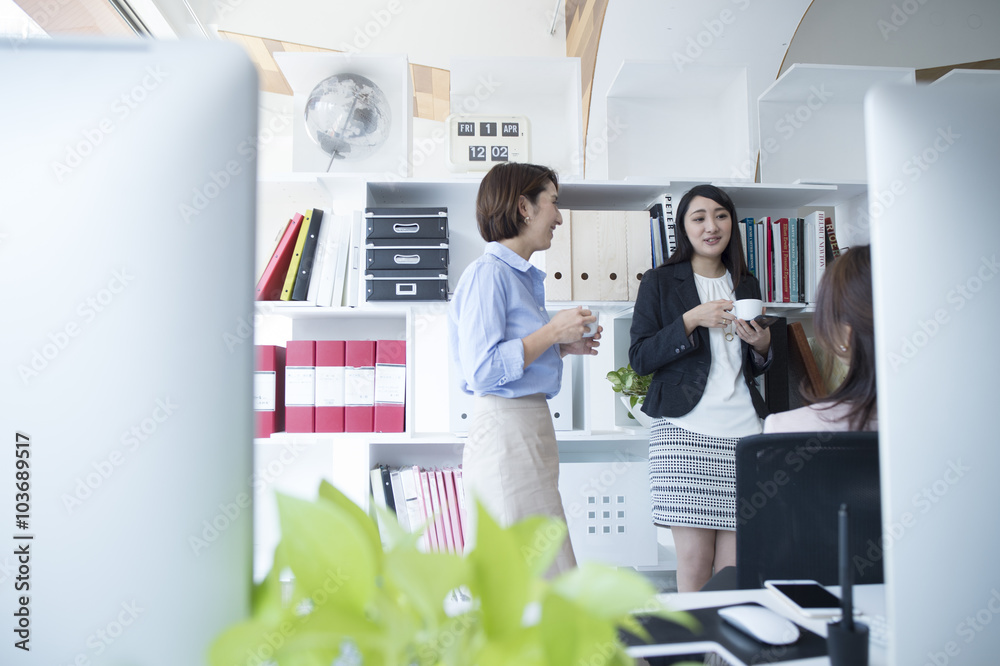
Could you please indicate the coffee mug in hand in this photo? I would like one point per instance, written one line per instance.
(591, 328)
(748, 308)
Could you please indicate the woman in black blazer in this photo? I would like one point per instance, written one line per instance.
(703, 397)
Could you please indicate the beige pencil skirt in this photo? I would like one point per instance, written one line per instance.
(510, 462)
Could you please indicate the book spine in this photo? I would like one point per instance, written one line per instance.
(293, 265)
(457, 528)
(300, 291)
(434, 542)
(331, 358)
(359, 386)
(801, 248)
(390, 385)
(831, 238)
(793, 261)
(751, 228)
(785, 277)
(399, 499)
(300, 386)
(819, 241)
(269, 390)
(271, 280)
(444, 510)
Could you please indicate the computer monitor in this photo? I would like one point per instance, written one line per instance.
(933, 170)
(127, 172)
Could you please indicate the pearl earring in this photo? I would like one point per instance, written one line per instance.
(843, 348)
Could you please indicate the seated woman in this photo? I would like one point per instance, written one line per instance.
(844, 327)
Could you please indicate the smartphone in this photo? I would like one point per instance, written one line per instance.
(807, 597)
(765, 320)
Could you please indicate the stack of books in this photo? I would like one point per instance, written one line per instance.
(424, 498)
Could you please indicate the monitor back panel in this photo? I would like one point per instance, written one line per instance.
(126, 249)
(933, 173)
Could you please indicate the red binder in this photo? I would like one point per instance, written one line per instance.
(435, 537)
(330, 357)
(268, 390)
(390, 385)
(273, 278)
(359, 386)
(454, 509)
(300, 386)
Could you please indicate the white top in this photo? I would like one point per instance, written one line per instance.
(725, 409)
(813, 418)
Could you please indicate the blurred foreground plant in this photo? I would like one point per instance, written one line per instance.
(352, 602)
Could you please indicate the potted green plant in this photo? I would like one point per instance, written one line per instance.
(633, 387)
(352, 601)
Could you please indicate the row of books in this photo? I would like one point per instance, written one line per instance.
(330, 386)
(310, 258)
(788, 255)
(420, 497)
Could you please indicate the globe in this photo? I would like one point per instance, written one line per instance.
(348, 116)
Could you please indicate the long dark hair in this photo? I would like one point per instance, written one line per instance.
(844, 297)
(732, 258)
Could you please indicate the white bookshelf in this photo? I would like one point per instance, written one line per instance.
(666, 122)
(811, 122)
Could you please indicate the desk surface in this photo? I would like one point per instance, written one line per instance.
(869, 599)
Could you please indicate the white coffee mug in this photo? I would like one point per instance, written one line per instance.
(748, 308)
(591, 328)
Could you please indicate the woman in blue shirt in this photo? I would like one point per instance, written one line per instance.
(510, 352)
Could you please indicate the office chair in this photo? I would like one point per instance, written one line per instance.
(789, 488)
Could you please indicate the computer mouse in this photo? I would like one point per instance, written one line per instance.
(761, 623)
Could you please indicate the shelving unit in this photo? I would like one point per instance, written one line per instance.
(669, 122)
(811, 122)
(596, 427)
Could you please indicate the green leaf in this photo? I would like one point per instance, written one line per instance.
(425, 579)
(499, 577)
(541, 538)
(606, 592)
(330, 493)
(571, 635)
(330, 552)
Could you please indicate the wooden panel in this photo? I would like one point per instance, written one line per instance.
(599, 256)
(639, 258)
(559, 262)
(95, 17)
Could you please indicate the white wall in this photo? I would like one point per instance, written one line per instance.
(902, 33)
(685, 35)
(428, 31)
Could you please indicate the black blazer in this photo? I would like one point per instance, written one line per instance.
(659, 345)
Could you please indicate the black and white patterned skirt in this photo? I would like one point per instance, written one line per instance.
(692, 477)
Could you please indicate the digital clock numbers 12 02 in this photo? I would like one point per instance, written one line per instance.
(478, 142)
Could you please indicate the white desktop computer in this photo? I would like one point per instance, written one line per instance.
(126, 265)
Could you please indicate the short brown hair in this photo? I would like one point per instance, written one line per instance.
(499, 193)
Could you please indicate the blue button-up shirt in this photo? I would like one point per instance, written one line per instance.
(500, 299)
